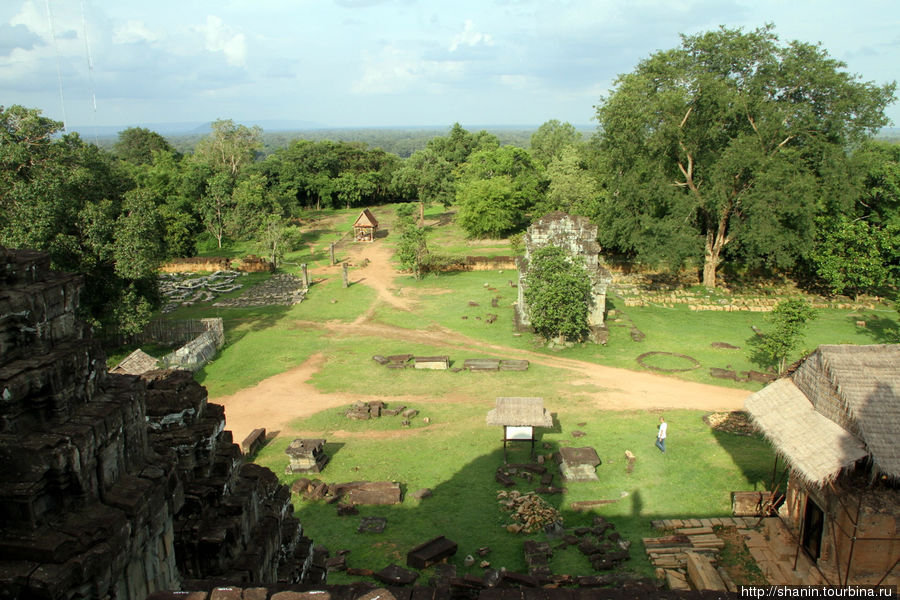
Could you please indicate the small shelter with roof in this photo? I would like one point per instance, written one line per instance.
(834, 419)
(136, 363)
(366, 227)
(519, 416)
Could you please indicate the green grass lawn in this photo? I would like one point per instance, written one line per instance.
(457, 455)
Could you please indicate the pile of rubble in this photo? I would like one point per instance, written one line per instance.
(529, 511)
(186, 289)
(281, 289)
(363, 411)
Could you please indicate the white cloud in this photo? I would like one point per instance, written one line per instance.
(222, 38)
(520, 82)
(470, 37)
(33, 19)
(131, 32)
(393, 70)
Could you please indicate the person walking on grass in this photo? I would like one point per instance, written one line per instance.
(661, 434)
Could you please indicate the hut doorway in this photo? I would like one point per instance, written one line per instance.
(813, 527)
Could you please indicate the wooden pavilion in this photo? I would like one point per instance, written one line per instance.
(518, 417)
(834, 420)
(366, 227)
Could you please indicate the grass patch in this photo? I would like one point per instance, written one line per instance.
(457, 454)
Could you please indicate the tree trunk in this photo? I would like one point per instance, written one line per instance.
(715, 242)
(421, 213)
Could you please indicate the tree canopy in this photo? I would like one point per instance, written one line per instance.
(725, 144)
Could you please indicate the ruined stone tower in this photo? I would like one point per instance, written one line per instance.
(577, 236)
(114, 486)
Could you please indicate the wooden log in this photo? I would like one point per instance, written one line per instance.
(694, 530)
(667, 541)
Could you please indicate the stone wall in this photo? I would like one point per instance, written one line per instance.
(577, 236)
(114, 486)
(200, 350)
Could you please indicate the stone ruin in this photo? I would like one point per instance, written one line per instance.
(577, 236)
(115, 486)
(186, 289)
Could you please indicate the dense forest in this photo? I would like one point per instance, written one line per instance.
(733, 151)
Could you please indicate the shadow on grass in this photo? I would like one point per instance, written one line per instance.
(882, 330)
(757, 473)
(465, 509)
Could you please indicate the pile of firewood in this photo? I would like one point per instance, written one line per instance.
(530, 512)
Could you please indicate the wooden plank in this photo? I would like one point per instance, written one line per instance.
(694, 530)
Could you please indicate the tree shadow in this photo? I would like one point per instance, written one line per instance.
(882, 330)
(756, 470)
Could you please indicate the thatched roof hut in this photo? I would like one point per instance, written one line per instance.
(834, 419)
(839, 405)
(520, 412)
(365, 227)
(136, 363)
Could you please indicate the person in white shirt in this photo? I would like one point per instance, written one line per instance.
(661, 434)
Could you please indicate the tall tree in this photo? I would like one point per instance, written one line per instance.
(427, 177)
(65, 197)
(230, 147)
(571, 188)
(550, 140)
(137, 145)
(721, 142)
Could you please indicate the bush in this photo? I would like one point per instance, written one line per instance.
(558, 293)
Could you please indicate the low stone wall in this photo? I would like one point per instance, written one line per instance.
(197, 352)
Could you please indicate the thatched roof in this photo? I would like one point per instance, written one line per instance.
(867, 379)
(856, 386)
(816, 447)
(366, 219)
(136, 363)
(520, 412)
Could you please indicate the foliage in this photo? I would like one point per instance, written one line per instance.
(788, 321)
(572, 188)
(65, 197)
(551, 139)
(490, 207)
(852, 255)
(276, 236)
(496, 189)
(460, 144)
(725, 144)
(229, 147)
(136, 145)
(558, 293)
(878, 164)
(412, 249)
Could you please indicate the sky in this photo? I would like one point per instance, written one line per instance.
(382, 63)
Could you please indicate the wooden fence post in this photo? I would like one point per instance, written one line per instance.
(346, 276)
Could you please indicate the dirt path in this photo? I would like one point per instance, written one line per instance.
(277, 401)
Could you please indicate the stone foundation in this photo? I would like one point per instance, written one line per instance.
(117, 485)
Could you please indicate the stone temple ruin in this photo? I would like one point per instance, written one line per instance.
(115, 486)
(578, 236)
